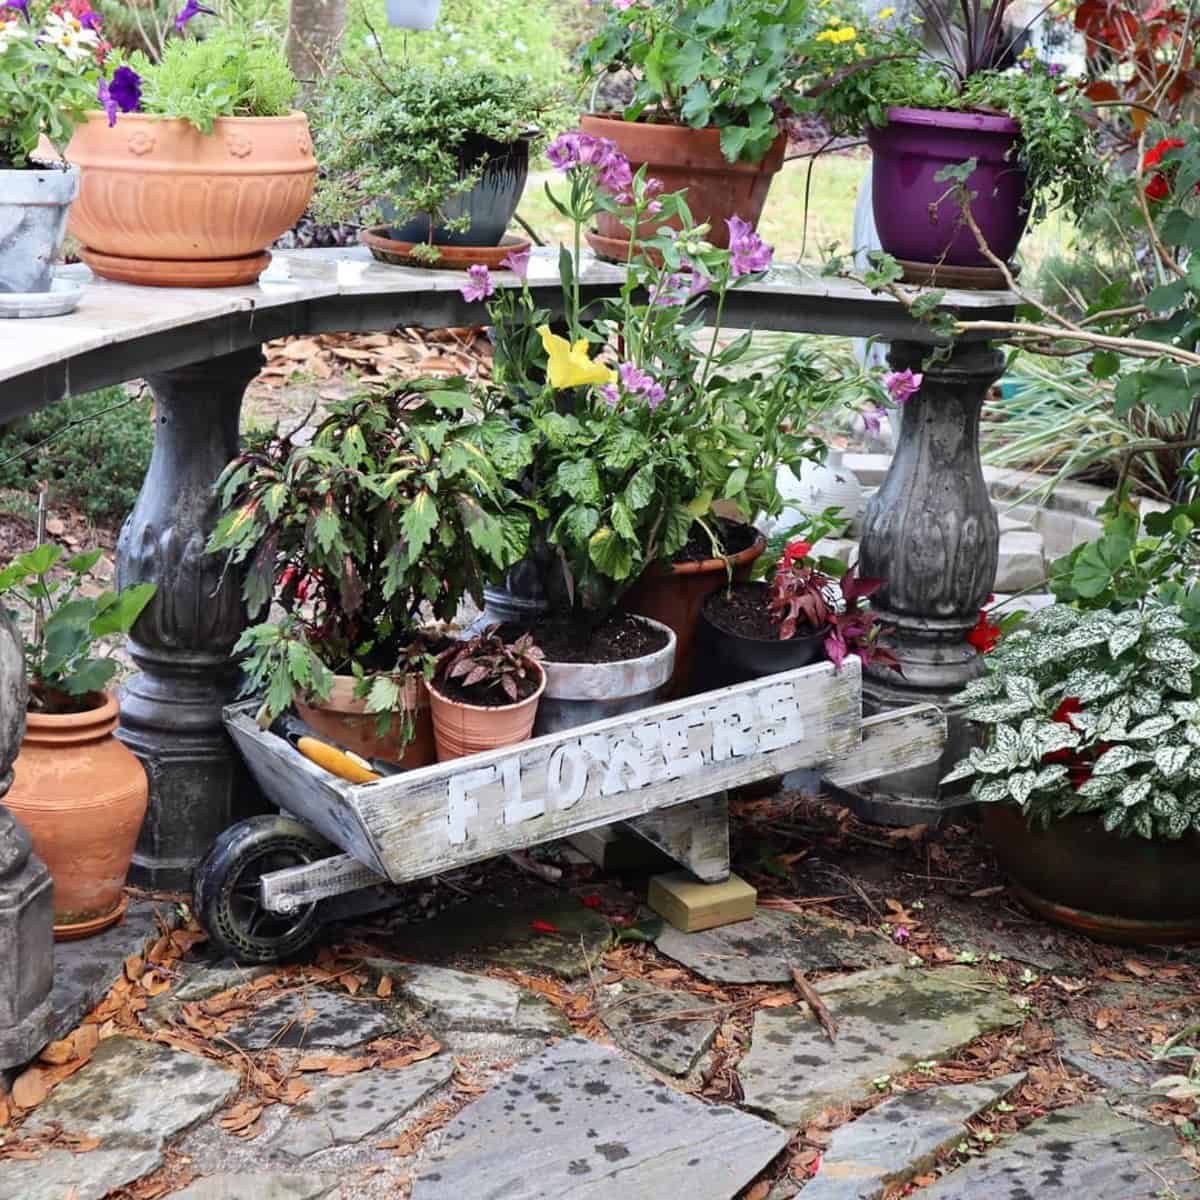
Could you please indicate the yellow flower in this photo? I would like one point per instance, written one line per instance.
(569, 365)
(827, 35)
(847, 33)
(884, 13)
(860, 50)
(834, 22)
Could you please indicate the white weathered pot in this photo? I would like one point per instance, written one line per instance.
(579, 693)
(33, 219)
(819, 486)
(413, 14)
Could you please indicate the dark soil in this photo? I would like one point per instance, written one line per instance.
(742, 610)
(620, 638)
(487, 695)
(734, 537)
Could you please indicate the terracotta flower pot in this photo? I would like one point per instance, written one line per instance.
(462, 729)
(681, 157)
(675, 593)
(164, 205)
(343, 719)
(82, 796)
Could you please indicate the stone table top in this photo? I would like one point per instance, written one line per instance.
(121, 332)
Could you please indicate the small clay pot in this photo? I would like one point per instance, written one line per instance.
(674, 593)
(82, 795)
(461, 729)
(345, 720)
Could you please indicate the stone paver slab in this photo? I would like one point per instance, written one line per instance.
(639, 1016)
(899, 1138)
(134, 1096)
(1089, 1153)
(505, 934)
(581, 1123)
(463, 1002)
(765, 949)
(340, 1112)
(888, 1020)
(319, 1019)
(267, 1186)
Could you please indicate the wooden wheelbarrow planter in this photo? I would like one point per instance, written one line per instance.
(664, 770)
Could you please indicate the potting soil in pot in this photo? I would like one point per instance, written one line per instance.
(742, 611)
(619, 638)
(488, 697)
(735, 537)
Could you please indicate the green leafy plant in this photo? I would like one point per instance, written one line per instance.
(92, 449)
(393, 512)
(1092, 712)
(487, 663)
(61, 624)
(398, 142)
(725, 64)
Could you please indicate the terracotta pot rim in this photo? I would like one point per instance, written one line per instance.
(410, 681)
(94, 117)
(710, 135)
(708, 565)
(532, 698)
(100, 713)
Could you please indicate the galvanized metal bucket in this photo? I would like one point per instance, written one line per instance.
(33, 219)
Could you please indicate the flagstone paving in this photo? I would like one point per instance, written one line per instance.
(259, 1187)
(657, 1025)
(579, 1122)
(318, 1019)
(888, 1020)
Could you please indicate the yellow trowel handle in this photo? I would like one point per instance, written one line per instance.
(342, 763)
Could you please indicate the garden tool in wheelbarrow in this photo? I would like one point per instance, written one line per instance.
(332, 756)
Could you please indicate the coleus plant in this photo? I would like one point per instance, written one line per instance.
(487, 663)
(1092, 712)
(394, 511)
(804, 599)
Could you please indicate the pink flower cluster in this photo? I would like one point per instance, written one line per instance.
(749, 254)
(583, 149)
(902, 385)
(635, 383)
(679, 287)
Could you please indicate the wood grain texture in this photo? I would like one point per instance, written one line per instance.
(695, 835)
(892, 741)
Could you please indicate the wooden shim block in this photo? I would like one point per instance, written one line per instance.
(892, 741)
(446, 816)
(692, 906)
(695, 835)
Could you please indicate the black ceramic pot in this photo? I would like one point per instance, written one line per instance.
(724, 657)
(490, 204)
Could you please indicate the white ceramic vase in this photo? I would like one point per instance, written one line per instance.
(819, 486)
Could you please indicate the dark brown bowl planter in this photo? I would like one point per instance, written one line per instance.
(1114, 889)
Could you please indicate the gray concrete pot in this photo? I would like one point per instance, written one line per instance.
(33, 219)
(579, 693)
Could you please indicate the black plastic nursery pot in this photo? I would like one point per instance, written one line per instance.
(1128, 890)
(490, 204)
(724, 656)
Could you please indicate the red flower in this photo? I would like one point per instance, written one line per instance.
(984, 636)
(592, 901)
(795, 551)
(1159, 188)
(1067, 709)
(543, 927)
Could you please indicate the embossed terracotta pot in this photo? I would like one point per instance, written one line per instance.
(345, 720)
(162, 204)
(462, 729)
(82, 796)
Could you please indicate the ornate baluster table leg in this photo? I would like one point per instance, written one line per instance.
(931, 534)
(171, 711)
(26, 895)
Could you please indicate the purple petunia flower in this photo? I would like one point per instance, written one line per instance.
(749, 253)
(90, 20)
(193, 8)
(126, 89)
(871, 419)
(610, 394)
(901, 385)
(105, 96)
(517, 261)
(479, 284)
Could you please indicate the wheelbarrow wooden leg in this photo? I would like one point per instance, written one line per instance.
(695, 835)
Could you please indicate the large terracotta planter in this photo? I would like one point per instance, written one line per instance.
(675, 593)
(1114, 889)
(162, 204)
(462, 729)
(344, 719)
(82, 796)
(680, 158)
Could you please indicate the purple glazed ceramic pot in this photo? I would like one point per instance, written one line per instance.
(917, 220)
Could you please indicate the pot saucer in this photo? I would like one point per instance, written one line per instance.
(63, 297)
(83, 929)
(977, 279)
(451, 258)
(199, 273)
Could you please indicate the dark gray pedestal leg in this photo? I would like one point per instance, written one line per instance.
(171, 711)
(26, 896)
(931, 535)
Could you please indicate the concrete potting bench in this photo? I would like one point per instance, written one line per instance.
(930, 532)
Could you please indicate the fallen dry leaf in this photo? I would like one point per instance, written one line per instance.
(384, 990)
(29, 1089)
(1138, 969)
(134, 967)
(397, 1062)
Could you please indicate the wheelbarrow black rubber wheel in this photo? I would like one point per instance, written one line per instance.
(226, 892)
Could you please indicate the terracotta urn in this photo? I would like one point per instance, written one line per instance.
(81, 795)
(162, 204)
(344, 719)
(461, 729)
